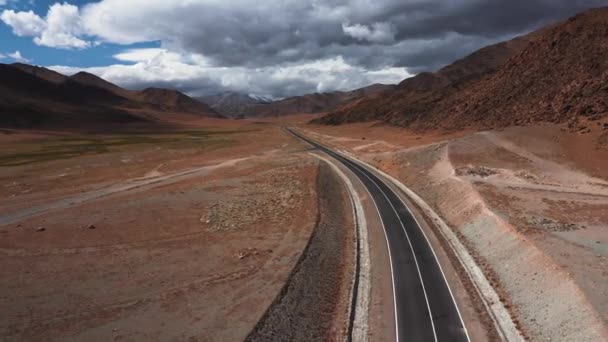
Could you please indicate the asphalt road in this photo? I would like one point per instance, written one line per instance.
(425, 309)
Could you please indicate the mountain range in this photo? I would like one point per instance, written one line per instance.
(237, 105)
(556, 74)
(36, 97)
(232, 104)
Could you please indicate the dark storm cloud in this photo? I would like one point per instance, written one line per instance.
(452, 29)
(255, 38)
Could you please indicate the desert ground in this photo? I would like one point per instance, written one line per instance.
(193, 234)
(234, 230)
(528, 204)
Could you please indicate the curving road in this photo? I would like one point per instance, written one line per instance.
(425, 309)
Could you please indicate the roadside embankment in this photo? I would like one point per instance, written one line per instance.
(314, 304)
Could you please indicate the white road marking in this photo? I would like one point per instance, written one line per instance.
(436, 259)
(426, 298)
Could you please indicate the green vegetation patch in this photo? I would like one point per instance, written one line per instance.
(74, 146)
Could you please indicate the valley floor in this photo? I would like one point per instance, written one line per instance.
(184, 235)
(218, 230)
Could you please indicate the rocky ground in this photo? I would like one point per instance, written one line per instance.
(529, 204)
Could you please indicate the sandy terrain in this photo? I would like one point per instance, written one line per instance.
(187, 235)
(529, 204)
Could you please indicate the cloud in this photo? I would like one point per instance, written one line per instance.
(375, 33)
(194, 74)
(261, 33)
(24, 24)
(18, 57)
(63, 26)
(60, 28)
(264, 39)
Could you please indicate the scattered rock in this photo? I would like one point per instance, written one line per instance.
(525, 175)
(91, 226)
(279, 192)
(584, 130)
(553, 225)
(252, 251)
(40, 229)
(480, 171)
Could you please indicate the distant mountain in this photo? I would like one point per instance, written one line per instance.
(232, 104)
(236, 105)
(315, 103)
(36, 97)
(164, 99)
(173, 100)
(29, 101)
(96, 81)
(556, 74)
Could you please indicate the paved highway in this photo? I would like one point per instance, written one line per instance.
(425, 309)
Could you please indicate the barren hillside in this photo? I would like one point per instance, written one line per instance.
(36, 97)
(551, 75)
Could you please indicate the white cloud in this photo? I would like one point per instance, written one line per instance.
(376, 33)
(61, 28)
(18, 57)
(148, 55)
(194, 74)
(266, 45)
(24, 24)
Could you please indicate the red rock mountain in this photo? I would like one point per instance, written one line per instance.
(35, 97)
(556, 74)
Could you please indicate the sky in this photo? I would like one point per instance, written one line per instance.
(271, 48)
